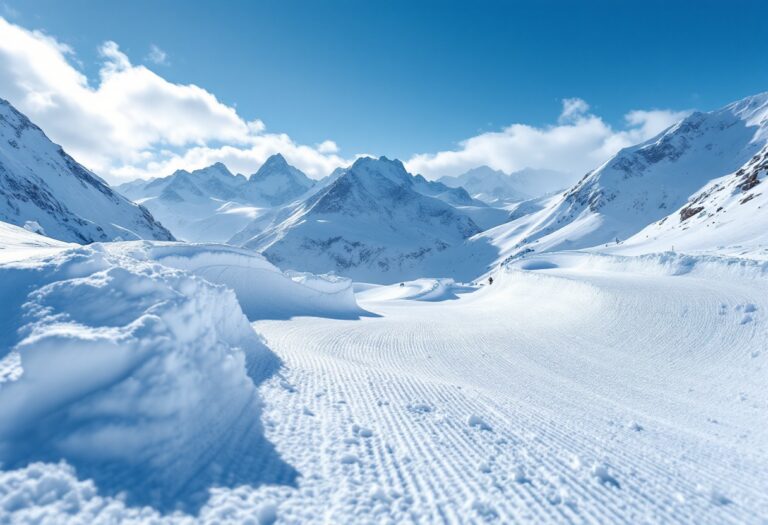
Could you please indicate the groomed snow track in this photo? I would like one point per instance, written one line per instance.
(626, 394)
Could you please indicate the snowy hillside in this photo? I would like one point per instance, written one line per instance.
(43, 187)
(372, 223)
(644, 183)
(496, 187)
(133, 389)
(212, 204)
(728, 216)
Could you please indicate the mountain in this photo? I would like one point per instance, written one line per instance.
(44, 188)
(728, 216)
(643, 184)
(496, 187)
(370, 224)
(211, 204)
(275, 183)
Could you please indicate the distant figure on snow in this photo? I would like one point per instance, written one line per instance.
(490, 280)
(402, 284)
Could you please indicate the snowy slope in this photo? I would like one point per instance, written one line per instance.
(19, 243)
(39, 182)
(496, 187)
(212, 204)
(578, 388)
(644, 183)
(728, 216)
(371, 224)
(536, 400)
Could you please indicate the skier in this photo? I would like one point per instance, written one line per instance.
(490, 280)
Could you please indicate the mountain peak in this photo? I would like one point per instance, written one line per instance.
(276, 161)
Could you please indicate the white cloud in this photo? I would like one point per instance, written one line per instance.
(327, 146)
(131, 122)
(573, 110)
(134, 122)
(579, 142)
(157, 56)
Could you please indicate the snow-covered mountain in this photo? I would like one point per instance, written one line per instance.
(215, 181)
(496, 187)
(643, 184)
(372, 223)
(44, 188)
(728, 216)
(212, 204)
(275, 183)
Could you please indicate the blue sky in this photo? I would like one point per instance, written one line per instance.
(408, 78)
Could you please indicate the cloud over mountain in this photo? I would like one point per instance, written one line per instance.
(132, 122)
(580, 141)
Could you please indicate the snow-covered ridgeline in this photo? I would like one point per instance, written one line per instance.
(42, 186)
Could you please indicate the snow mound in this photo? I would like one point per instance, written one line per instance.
(418, 290)
(264, 292)
(141, 376)
(17, 243)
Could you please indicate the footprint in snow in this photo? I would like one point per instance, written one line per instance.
(420, 408)
(349, 459)
(519, 475)
(362, 432)
(715, 496)
(601, 473)
(477, 422)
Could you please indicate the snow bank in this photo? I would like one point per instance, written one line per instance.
(418, 290)
(18, 243)
(263, 291)
(141, 376)
(658, 264)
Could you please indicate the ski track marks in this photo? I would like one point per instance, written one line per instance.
(553, 396)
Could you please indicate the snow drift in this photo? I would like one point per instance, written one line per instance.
(141, 376)
(264, 292)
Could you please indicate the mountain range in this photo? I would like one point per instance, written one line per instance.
(695, 186)
(375, 221)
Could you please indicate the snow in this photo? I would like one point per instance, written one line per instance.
(131, 362)
(372, 224)
(20, 243)
(496, 187)
(263, 291)
(641, 184)
(551, 361)
(45, 190)
(519, 401)
(593, 382)
(728, 219)
(418, 290)
(212, 204)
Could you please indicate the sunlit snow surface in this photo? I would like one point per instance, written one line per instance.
(579, 387)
